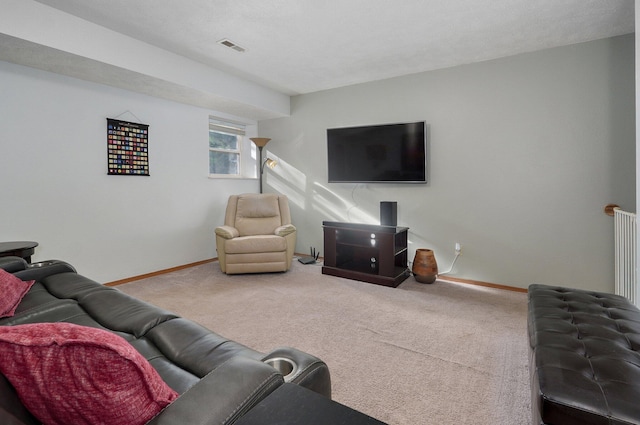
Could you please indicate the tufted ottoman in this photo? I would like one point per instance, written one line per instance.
(584, 357)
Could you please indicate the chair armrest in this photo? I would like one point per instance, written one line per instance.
(227, 232)
(285, 230)
(222, 396)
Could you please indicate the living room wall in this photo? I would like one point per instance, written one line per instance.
(524, 153)
(55, 189)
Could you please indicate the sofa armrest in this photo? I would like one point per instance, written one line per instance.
(12, 264)
(227, 232)
(308, 371)
(285, 230)
(38, 271)
(222, 396)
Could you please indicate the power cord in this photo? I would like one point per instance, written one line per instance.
(452, 264)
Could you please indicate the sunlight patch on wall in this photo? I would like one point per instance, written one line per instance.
(286, 179)
(337, 208)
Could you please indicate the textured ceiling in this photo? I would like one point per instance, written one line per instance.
(303, 46)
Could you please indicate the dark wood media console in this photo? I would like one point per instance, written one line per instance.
(366, 252)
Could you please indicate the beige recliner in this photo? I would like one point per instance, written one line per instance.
(257, 235)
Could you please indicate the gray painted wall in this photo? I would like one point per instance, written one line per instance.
(524, 153)
(55, 188)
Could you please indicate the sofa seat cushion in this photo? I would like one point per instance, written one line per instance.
(196, 348)
(70, 374)
(61, 311)
(36, 298)
(12, 290)
(256, 244)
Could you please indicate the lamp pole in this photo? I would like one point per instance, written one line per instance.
(260, 142)
(261, 167)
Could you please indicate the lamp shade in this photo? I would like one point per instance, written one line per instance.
(260, 141)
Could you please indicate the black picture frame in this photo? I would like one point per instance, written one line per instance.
(127, 148)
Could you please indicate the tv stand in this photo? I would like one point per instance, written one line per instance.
(366, 252)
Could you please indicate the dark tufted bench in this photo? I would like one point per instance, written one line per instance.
(584, 357)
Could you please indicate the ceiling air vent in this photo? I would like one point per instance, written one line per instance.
(231, 45)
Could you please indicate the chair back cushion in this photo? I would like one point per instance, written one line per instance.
(257, 214)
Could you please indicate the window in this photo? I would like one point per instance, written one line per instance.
(225, 147)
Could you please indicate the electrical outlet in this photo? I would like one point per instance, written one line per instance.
(458, 248)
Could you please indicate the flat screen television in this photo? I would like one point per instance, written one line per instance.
(387, 153)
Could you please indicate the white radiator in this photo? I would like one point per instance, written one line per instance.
(625, 254)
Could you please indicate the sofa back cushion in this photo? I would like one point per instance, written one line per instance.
(70, 374)
(12, 290)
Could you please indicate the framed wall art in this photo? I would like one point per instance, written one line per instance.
(127, 148)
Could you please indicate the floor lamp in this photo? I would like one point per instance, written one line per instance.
(261, 142)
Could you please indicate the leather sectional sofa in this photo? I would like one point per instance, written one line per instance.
(584, 357)
(216, 380)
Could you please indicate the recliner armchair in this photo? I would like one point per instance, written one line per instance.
(257, 235)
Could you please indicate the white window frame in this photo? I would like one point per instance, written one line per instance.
(245, 149)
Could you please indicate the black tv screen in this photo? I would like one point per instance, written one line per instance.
(388, 153)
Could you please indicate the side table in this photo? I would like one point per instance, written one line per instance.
(22, 249)
(291, 404)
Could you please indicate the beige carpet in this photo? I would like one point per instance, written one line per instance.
(436, 354)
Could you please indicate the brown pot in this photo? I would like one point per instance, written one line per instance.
(425, 268)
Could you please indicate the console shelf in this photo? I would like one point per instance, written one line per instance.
(366, 252)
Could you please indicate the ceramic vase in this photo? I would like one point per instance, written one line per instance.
(425, 268)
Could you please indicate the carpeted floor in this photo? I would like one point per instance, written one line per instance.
(438, 354)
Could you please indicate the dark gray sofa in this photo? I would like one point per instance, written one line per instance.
(218, 380)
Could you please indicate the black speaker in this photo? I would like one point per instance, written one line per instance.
(388, 213)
